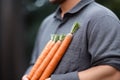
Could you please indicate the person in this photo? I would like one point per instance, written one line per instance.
(94, 53)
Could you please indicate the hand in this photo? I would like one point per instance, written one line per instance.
(25, 77)
(48, 79)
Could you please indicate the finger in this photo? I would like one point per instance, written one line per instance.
(25, 77)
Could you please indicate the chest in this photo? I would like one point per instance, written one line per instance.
(76, 57)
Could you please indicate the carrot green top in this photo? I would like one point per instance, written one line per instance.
(75, 27)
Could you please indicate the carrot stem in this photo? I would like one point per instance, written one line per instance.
(62, 36)
(75, 27)
(56, 37)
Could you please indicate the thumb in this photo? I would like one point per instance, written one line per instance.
(25, 77)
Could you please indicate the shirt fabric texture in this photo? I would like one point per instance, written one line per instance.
(96, 42)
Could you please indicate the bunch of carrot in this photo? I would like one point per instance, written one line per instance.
(51, 55)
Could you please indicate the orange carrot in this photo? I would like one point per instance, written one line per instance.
(43, 54)
(46, 61)
(58, 55)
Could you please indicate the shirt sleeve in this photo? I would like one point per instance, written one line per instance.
(104, 42)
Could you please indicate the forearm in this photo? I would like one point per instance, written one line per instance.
(103, 72)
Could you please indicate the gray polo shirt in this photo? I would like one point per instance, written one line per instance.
(97, 42)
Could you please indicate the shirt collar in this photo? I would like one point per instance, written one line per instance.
(77, 8)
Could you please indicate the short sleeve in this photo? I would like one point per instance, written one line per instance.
(104, 42)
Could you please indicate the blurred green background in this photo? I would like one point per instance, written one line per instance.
(19, 23)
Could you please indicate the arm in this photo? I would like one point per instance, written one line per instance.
(104, 48)
(103, 72)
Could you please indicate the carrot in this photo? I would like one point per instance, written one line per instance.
(46, 61)
(43, 54)
(60, 52)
